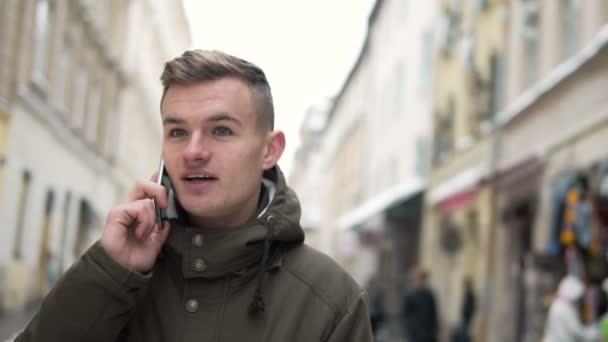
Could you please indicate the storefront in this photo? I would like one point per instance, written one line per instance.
(579, 230)
(384, 239)
(456, 242)
(516, 265)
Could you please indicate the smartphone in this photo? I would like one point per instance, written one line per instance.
(164, 180)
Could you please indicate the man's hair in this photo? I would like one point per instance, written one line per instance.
(196, 66)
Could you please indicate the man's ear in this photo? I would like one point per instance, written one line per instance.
(275, 145)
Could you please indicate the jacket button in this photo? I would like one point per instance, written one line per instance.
(192, 305)
(199, 265)
(198, 240)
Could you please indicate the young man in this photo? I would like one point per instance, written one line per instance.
(231, 265)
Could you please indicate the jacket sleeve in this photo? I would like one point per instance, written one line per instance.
(355, 325)
(92, 301)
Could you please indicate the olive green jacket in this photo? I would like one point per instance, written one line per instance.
(255, 282)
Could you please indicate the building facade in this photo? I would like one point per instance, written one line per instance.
(307, 174)
(519, 119)
(552, 163)
(166, 37)
(468, 88)
(372, 162)
(66, 71)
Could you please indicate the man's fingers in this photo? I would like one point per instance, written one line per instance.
(146, 225)
(138, 217)
(149, 189)
(154, 177)
(159, 236)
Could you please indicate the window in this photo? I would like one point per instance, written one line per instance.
(92, 118)
(443, 131)
(531, 33)
(64, 230)
(80, 93)
(467, 52)
(398, 89)
(108, 122)
(41, 43)
(46, 275)
(449, 30)
(86, 221)
(107, 128)
(496, 83)
(481, 5)
(421, 157)
(569, 25)
(23, 199)
(63, 73)
(426, 61)
(393, 172)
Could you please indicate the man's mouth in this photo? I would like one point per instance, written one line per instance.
(200, 178)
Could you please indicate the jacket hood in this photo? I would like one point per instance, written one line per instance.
(284, 206)
(571, 288)
(231, 249)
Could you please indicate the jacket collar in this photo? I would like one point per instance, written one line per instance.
(234, 250)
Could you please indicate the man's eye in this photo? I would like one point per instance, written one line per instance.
(222, 131)
(177, 132)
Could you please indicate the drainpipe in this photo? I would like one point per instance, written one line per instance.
(488, 290)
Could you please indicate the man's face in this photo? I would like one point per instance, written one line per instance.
(214, 151)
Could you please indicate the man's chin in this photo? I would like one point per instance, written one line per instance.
(200, 212)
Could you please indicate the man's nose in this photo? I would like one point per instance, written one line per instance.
(197, 149)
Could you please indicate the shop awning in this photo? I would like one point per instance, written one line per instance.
(381, 202)
(459, 184)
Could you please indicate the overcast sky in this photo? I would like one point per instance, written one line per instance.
(306, 48)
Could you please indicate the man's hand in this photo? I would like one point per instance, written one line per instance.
(131, 236)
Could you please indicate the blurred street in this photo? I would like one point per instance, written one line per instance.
(459, 173)
(12, 325)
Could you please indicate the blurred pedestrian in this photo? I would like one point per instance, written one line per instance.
(563, 322)
(375, 293)
(229, 262)
(462, 332)
(419, 310)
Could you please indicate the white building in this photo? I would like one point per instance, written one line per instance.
(166, 36)
(307, 174)
(74, 61)
(370, 170)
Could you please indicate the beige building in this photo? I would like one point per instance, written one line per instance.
(468, 88)
(65, 73)
(552, 138)
(520, 113)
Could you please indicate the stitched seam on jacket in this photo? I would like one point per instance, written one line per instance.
(312, 289)
(351, 307)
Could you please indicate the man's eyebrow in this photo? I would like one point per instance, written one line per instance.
(224, 117)
(171, 120)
